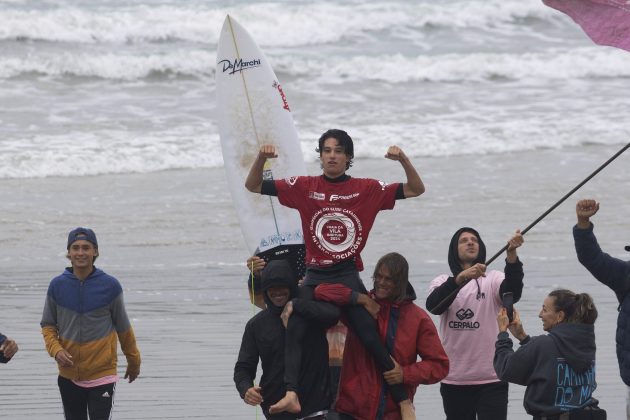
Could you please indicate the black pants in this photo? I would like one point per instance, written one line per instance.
(361, 323)
(78, 401)
(335, 374)
(471, 402)
(588, 413)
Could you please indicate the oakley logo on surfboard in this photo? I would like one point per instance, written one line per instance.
(238, 65)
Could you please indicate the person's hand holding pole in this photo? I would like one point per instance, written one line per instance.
(474, 272)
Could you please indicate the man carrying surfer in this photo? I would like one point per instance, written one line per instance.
(406, 330)
(336, 335)
(263, 339)
(337, 213)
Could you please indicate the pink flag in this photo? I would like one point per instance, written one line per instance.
(606, 22)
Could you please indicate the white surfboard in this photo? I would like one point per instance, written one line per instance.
(252, 110)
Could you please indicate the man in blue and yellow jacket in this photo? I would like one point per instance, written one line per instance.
(84, 317)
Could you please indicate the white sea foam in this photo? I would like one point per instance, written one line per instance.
(550, 65)
(110, 65)
(586, 62)
(273, 24)
(126, 86)
(465, 137)
(106, 152)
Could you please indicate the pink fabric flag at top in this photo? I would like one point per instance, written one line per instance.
(606, 22)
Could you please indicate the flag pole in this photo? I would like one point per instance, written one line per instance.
(439, 308)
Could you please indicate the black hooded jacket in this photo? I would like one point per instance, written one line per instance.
(558, 368)
(264, 339)
(513, 275)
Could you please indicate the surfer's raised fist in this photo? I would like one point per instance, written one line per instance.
(395, 153)
(268, 151)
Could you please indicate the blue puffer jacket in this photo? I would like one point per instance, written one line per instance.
(614, 273)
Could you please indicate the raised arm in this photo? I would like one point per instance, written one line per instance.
(513, 281)
(255, 177)
(611, 271)
(515, 242)
(414, 185)
(585, 209)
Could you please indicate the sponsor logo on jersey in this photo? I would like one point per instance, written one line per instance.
(335, 197)
(462, 324)
(463, 314)
(238, 65)
(337, 232)
(316, 196)
(277, 86)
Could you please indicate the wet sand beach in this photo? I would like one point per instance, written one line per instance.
(173, 240)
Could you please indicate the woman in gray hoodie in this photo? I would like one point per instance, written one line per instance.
(558, 368)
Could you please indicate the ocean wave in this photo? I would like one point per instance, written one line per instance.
(122, 66)
(272, 24)
(108, 152)
(587, 62)
(115, 152)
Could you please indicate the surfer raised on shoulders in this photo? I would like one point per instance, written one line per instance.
(337, 213)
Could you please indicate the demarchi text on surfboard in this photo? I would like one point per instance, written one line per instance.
(239, 65)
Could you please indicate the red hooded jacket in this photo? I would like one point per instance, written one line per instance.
(411, 333)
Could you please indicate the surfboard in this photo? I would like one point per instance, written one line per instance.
(252, 110)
